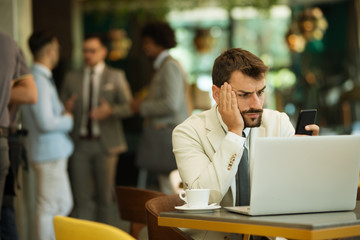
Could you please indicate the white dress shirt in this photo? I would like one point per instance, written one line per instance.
(98, 70)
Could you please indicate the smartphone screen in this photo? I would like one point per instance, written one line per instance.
(306, 117)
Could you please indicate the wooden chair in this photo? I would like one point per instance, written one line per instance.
(67, 228)
(131, 204)
(153, 208)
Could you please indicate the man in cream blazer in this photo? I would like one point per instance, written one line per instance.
(99, 97)
(208, 146)
(207, 166)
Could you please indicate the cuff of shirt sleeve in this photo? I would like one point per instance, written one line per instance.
(235, 138)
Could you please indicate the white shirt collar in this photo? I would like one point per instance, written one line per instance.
(223, 125)
(98, 69)
(160, 59)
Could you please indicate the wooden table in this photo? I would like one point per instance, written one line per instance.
(297, 226)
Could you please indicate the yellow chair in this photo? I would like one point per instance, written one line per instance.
(67, 228)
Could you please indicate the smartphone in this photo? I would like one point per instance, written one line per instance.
(306, 117)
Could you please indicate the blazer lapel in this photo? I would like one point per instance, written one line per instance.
(103, 82)
(255, 133)
(215, 132)
(216, 135)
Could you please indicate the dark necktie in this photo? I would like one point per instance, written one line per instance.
(244, 179)
(91, 90)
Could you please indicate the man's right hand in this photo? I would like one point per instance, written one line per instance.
(229, 111)
(69, 114)
(70, 103)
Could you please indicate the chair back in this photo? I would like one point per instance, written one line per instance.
(131, 204)
(153, 209)
(67, 228)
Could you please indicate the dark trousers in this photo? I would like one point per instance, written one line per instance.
(13, 150)
(8, 230)
(4, 164)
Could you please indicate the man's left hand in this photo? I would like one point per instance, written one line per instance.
(102, 112)
(135, 105)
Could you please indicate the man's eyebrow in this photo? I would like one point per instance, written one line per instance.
(242, 91)
(246, 92)
(263, 88)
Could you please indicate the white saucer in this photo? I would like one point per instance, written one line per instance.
(208, 208)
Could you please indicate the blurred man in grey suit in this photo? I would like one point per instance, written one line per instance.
(99, 97)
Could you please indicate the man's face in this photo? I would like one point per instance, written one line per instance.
(93, 51)
(250, 97)
(151, 49)
(54, 48)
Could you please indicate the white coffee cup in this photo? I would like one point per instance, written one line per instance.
(195, 198)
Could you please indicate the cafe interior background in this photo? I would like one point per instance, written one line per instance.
(312, 48)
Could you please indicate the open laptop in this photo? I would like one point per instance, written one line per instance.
(303, 174)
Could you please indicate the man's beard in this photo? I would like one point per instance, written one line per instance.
(252, 122)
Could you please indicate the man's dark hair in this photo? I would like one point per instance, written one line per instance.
(38, 40)
(161, 33)
(101, 37)
(237, 59)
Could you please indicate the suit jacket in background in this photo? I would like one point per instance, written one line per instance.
(166, 102)
(203, 151)
(115, 89)
(164, 107)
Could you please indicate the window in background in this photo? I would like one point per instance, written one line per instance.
(204, 33)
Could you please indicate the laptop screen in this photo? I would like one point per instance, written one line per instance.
(305, 174)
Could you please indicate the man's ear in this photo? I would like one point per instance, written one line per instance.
(104, 51)
(47, 50)
(216, 93)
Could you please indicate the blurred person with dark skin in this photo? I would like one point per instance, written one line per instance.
(165, 104)
(99, 98)
(16, 87)
(210, 146)
(48, 144)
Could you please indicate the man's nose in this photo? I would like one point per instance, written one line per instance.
(255, 102)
